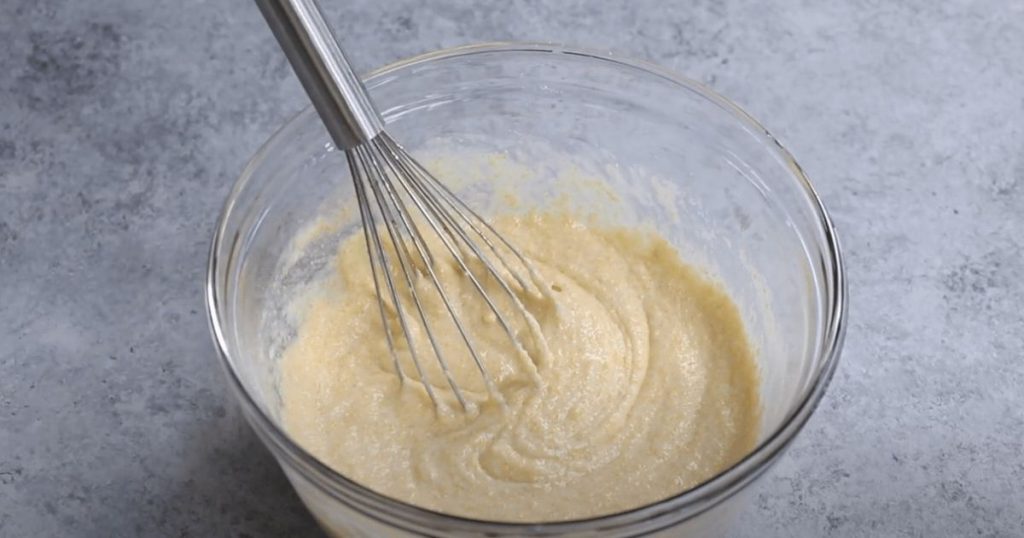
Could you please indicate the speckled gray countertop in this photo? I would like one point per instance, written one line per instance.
(123, 125)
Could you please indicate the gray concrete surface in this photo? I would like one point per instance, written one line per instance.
(123, 124)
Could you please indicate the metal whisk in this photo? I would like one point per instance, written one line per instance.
(403, 207)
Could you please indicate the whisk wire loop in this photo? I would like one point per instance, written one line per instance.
(399, 203)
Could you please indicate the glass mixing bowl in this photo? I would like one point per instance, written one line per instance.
(676, 156)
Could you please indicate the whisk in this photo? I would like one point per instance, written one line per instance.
(403, 207)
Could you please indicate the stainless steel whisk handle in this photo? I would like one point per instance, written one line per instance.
(337, 93)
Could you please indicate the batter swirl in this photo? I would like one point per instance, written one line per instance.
(640, 383)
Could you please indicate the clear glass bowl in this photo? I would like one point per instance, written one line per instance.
(679, 158)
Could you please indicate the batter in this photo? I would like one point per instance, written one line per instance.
(638, 382)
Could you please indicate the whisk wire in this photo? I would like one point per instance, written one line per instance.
(463, 211)
(404, 259)
(372, 247)
(454, 203)
(396, 195)
(439, 220)
(400, 250)
(403, 212)
(413, 230)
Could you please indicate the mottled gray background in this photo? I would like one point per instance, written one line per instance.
(123, 124)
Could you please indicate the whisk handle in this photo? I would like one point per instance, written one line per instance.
(337, 93)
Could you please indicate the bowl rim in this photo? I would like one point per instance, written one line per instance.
(701, 497)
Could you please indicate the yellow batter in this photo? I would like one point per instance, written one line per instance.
(639, 384)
